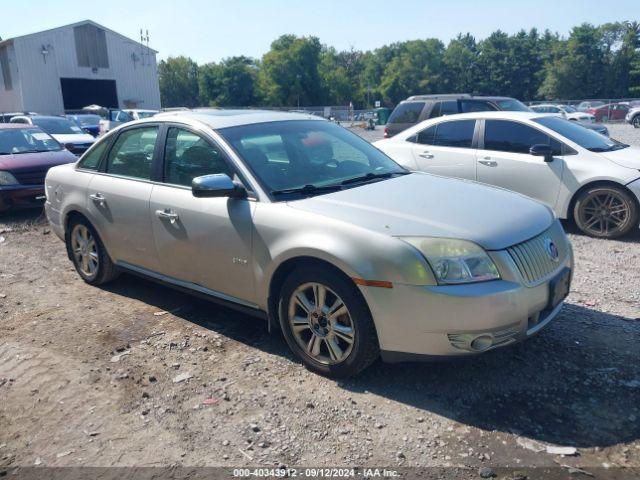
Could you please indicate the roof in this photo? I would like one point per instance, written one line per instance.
(14, 126)
(505, 114)
(455, 96)
(71, 25)
(216, 119)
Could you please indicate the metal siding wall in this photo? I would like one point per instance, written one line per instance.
(41, 80)
(11, 100)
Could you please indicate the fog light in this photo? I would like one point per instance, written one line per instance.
(482, 343)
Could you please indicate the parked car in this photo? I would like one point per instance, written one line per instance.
(612, 111)
(417, 108)
(578, 173)
(633, 117)
(565, 111)
(570, 113)
(299, 221)
(26, 153)
(89, 123)
(117, 117)
(586, 105)
(7, 116)
(62, 129)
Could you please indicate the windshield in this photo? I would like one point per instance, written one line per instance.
(56, 126)
(586, 138)
(307, 154)
(87, 120)
(512, 105)
(26, 140)
(147, 114)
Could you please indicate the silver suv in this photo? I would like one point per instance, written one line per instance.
(297, 220)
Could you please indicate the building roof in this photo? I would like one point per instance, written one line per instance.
(71, 25)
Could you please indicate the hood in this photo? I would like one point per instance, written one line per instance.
(626, 157)
(74, 138)
(421, 204)
(29, 161)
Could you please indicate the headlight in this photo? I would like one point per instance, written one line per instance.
(7, 179)
(455, 261)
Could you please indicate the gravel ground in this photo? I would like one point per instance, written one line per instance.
(138, 374)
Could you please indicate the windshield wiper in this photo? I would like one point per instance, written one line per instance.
(372, 176)
(27, 151)
(611, 148)
(308, 189)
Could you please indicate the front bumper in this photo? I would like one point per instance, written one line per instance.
(21, 196)
(437, 321)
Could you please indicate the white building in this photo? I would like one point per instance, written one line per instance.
(70, 67)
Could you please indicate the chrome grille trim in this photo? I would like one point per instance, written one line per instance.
(531, 259)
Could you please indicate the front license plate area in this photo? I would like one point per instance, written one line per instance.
(559, 288)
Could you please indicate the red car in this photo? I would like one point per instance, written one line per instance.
(26, 154)
(612, 111)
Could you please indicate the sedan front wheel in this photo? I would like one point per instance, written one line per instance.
(327, 323)
(605, 212)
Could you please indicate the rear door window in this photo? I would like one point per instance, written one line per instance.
(476, 106)
(427, 136)
(458, 134)
(406, 112)
(450, 107)
(132, 153)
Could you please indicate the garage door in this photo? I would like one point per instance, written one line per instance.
(80, 92)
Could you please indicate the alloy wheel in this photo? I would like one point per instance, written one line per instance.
(85, 250)
(604, 213)
(321, 323)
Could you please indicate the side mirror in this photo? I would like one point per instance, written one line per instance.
(542, 150)
(218, 185)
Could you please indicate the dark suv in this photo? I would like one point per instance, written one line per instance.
(421, 107)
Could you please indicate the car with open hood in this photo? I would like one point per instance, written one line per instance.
(300, 222)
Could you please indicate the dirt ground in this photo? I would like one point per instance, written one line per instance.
(136, 374)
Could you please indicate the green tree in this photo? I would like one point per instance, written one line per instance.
(178, 78)
(289, 73)
(460, 63)
(579, 67)
(231, 82)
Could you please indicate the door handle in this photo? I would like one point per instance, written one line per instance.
(98, 198)
(167, 214)
(426, 155)
(489, 163)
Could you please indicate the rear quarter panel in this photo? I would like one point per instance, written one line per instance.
(66, 191)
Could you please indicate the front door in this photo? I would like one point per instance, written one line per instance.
(118, 198)
(505, 161)
(446, 148)
(203, 241)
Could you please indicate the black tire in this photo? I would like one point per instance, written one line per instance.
(364, 349)
(584, 216)
(635, 121)
(106, 271)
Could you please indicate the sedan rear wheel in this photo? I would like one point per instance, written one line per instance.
(636, 121)
(327, 323)
(88, 254)
(605, 212)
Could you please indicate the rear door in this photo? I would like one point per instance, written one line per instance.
(118, 197)
(447, 148)
(504, 160)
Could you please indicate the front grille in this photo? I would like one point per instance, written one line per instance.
(532, 259)
(30, 176)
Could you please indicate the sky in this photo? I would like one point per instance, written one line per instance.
(211, 30)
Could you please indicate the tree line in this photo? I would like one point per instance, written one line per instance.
(592, 62)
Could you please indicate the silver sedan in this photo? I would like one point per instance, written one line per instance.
(296, 220)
